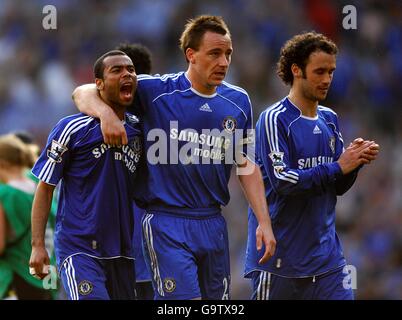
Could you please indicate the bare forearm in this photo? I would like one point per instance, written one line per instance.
(87, 100)
(253, 188)
(40, 213)
(254, 191)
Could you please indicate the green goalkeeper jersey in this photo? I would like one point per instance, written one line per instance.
(17, 204)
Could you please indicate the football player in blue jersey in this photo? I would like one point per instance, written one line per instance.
(190, 121)
(141, 58)
(305, 167)
(94, 223)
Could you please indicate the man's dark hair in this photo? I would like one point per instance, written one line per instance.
(99, 66)
(195, 29)
(139, 55)
(298, 49)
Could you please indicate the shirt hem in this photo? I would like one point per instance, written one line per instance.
(92, 256)
(248, 274)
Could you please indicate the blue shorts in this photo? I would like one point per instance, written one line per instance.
(327, 286)
(188, 257)
(141, 271)
(89, 278)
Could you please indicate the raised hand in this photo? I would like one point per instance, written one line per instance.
(370, 153)
(356, 154)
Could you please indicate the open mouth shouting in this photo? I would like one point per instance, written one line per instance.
(127, 90)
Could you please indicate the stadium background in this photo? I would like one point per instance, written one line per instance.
(39, 69)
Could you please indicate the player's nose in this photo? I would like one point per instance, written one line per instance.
(223, 61)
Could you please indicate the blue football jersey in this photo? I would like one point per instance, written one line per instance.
(95, 213)
(190, 142)
(297, 156)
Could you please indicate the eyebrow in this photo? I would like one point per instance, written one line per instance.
(323, 68)
(219, 50)
(121, 66)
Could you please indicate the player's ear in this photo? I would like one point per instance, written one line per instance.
(190, 55)
(99, 84)
(296, 71)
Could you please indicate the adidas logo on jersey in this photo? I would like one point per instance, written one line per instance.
(317, 130)
(205, 107)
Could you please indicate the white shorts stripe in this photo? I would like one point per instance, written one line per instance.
(264, 284)
(147, 229)
(75, 287)
(263, 279)
(259, 286)
(68, 277)
(268, 285)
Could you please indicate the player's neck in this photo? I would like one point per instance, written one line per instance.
(198, 85)
(307, 107)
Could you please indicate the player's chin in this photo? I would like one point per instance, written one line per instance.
(216, 81)
(321, 95)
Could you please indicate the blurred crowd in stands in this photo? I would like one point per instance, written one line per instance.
(40, 68)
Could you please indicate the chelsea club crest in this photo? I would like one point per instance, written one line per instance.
(169, 284)
(229, 124)
(85, 287)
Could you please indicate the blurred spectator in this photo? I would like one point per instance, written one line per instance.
(16, 197)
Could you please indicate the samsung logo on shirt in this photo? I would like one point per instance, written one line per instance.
(203, 139)
(313, 161)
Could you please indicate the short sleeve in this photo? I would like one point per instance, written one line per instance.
(53, 159)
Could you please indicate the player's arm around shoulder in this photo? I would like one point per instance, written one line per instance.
(87, 101)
